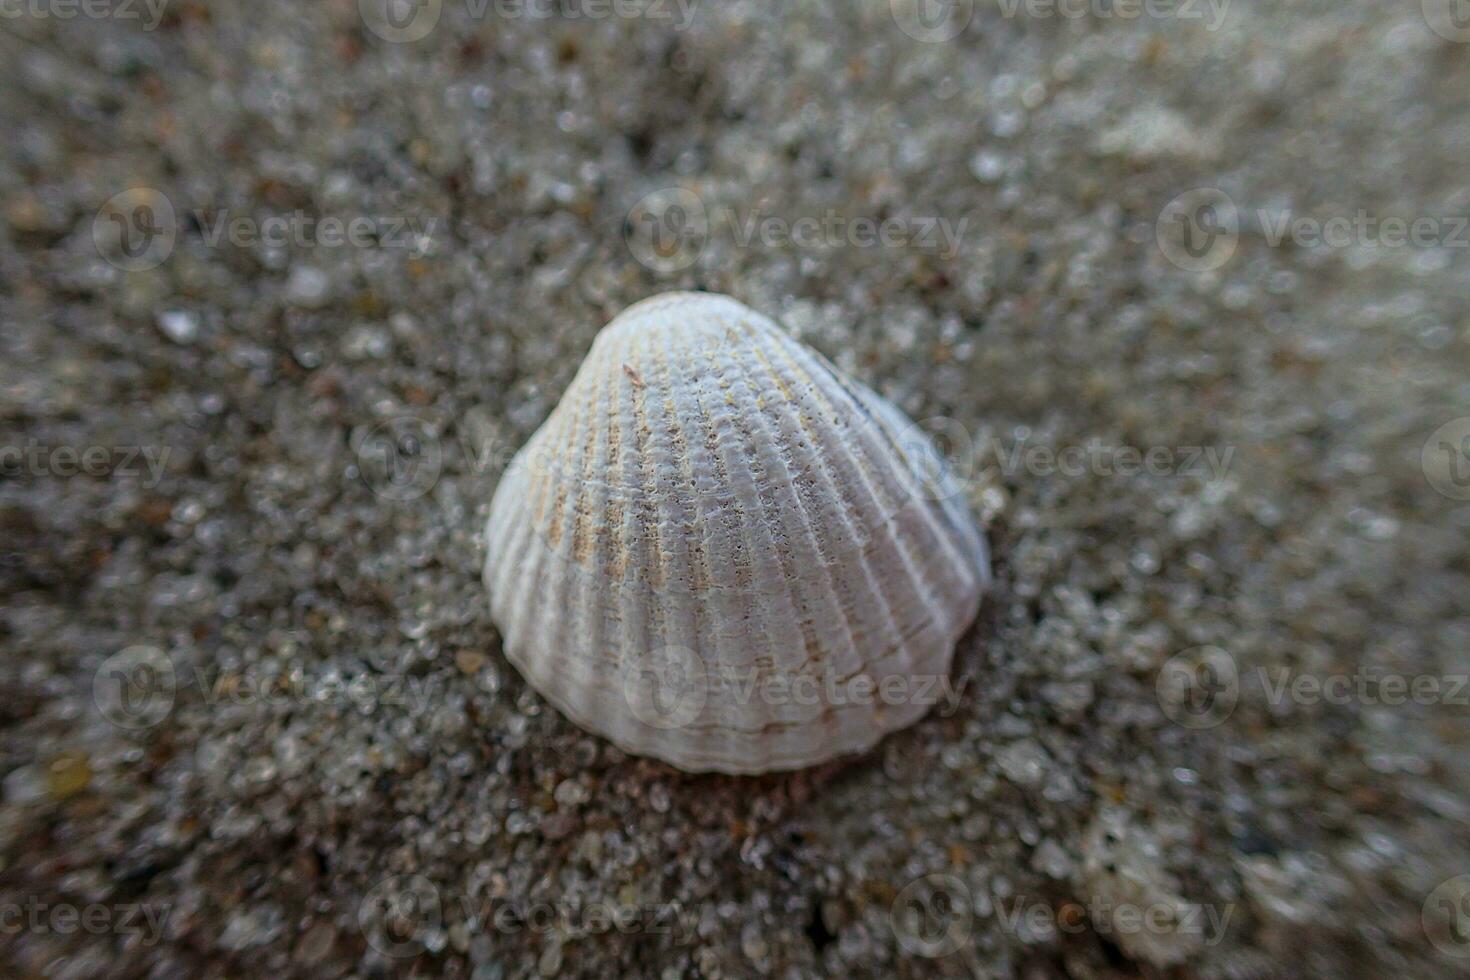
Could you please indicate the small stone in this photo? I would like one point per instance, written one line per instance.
(27, 213)
(1051, 860)
(1155, 133)
(315, 944)
(559, 825)
(1024, 763)
(68, 774)
(307, 286)
(752, 943)
(469, 661)
(24, 785)
(550, 962)
(988, 166)
(180, 326)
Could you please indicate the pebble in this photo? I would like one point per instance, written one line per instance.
(180, 326)
(307, 286)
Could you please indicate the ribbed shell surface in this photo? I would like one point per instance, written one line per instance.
(711, 513)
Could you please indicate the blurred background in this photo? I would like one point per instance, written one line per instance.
(1181, 287)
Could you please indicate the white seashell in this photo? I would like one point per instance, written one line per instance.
(721, 552)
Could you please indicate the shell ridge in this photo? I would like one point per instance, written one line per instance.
(672, 504)
(937, 569)
(708, 399)
(943, 533)
(520, 586)
(803, 536)
(773, 614)
(562, 611)
(827, 461)
(882, 540)
(928, 578)
(822, 555)
(766, 509)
